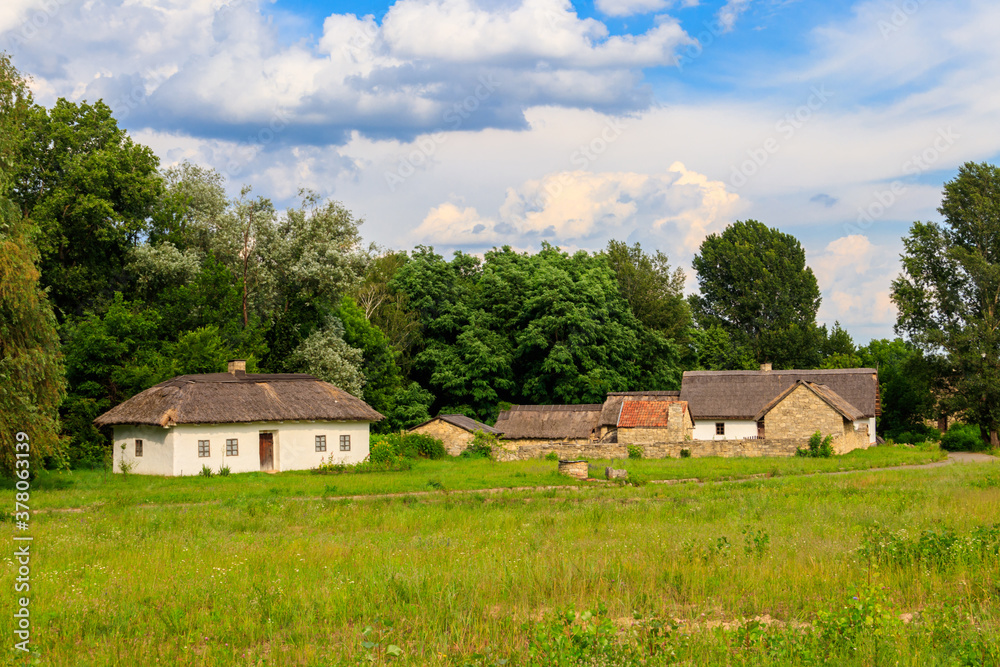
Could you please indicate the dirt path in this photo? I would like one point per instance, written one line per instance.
(953, 458)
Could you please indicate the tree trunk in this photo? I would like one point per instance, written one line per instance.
(994, 440)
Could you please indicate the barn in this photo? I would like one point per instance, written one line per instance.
(244, 421)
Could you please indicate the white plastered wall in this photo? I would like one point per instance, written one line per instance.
(870, 421)
(157, 449)
(294, 445)
(736, 429)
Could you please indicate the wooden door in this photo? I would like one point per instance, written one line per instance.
(267, 451)
(760, 429)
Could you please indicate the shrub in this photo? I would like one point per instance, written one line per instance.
(381, 452)
(409, 445)
(963, 438)
(330, 467)
(685, 453)
(224, 471)
(634, 451)
(819, 447)
(551, 456)
(205, 471)
(483, 446)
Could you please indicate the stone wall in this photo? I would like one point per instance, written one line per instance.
(698, 448)
(455, 439)
(801, 414)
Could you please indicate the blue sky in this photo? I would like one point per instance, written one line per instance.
(465, 124)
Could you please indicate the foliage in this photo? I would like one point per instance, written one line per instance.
(189, 207)
(939, 549)
(205, 471)
(384, 461)
(411, 445)
(224, 471)
(819, 447)
(963, 438)
(685, 453)
(634, 451)
(91, 190)
(327, 355)
(755, 285)
(551, 456)
(948, 295)
(654, 292)
(382, 376)
(482, 446)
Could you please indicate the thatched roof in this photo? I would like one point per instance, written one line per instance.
(226, 398)
(548, 422)
(648, 413)
(463, 422)
(827, 395)
(743, 394)
(613, 404)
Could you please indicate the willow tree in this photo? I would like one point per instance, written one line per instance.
(32, 380)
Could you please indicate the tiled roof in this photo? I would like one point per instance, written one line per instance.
(646, 413)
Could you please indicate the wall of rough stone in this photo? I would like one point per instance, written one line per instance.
(698, 448)
(801, 414)
(455, 439)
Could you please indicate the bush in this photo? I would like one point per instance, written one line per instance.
(963, 438)
(224, 471)
(483, 446)
(410, 445)
(634, 451)
(381, 452)
(205, 471)
(918, 434)
(819, 447)
(551, 456)
(685, 453)
(329, 467)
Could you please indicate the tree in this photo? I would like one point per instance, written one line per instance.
(192, 200)
(326, 355)
(90, 189)
(654, 292)
(755, 286)
(32, 378)
(949, 292)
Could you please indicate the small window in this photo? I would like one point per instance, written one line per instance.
(232, 447)
(320, 443)
(138, 447)
(345, 443)
(720, 428)
(204, 449)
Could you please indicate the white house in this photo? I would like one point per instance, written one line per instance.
(731, 405)
(246, 421)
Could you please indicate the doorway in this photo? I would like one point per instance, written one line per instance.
(267, 451)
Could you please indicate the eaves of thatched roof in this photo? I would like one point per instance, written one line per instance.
(226, 398)
(463, 422)
(549, 422)
(743, 394)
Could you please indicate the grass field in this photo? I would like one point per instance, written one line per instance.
(871, 568)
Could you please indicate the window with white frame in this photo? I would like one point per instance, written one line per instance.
(232, 447)
(204, 448)
(345, 443)
(138, 447)
(320, 443)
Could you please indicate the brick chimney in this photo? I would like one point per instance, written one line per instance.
(766, 368)
(238, 365)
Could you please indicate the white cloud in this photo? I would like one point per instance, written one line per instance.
(586, 209)
(632, 7)
(855, 276)
(730, 12)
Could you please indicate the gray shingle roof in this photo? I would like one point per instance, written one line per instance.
(463, 422)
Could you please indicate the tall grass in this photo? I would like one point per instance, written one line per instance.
(454, 579)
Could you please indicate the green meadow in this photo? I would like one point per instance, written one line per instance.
(867, 568)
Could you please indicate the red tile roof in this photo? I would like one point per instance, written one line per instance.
(646, 414)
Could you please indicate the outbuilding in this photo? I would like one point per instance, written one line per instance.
(455, 431)
(244, 421)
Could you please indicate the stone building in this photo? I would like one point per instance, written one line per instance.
(245, 421)
(650, 422)
(455, 431)
(729, 405)
(607, 426)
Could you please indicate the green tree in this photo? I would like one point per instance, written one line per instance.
(755, 286)
(192, 200)
(948, 295)
(32, 378)
(383, 379)
(90, 189)
(653, 291)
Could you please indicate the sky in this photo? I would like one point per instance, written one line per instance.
(469, 124)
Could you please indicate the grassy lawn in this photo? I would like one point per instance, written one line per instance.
(84, 488)
(833, 564)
